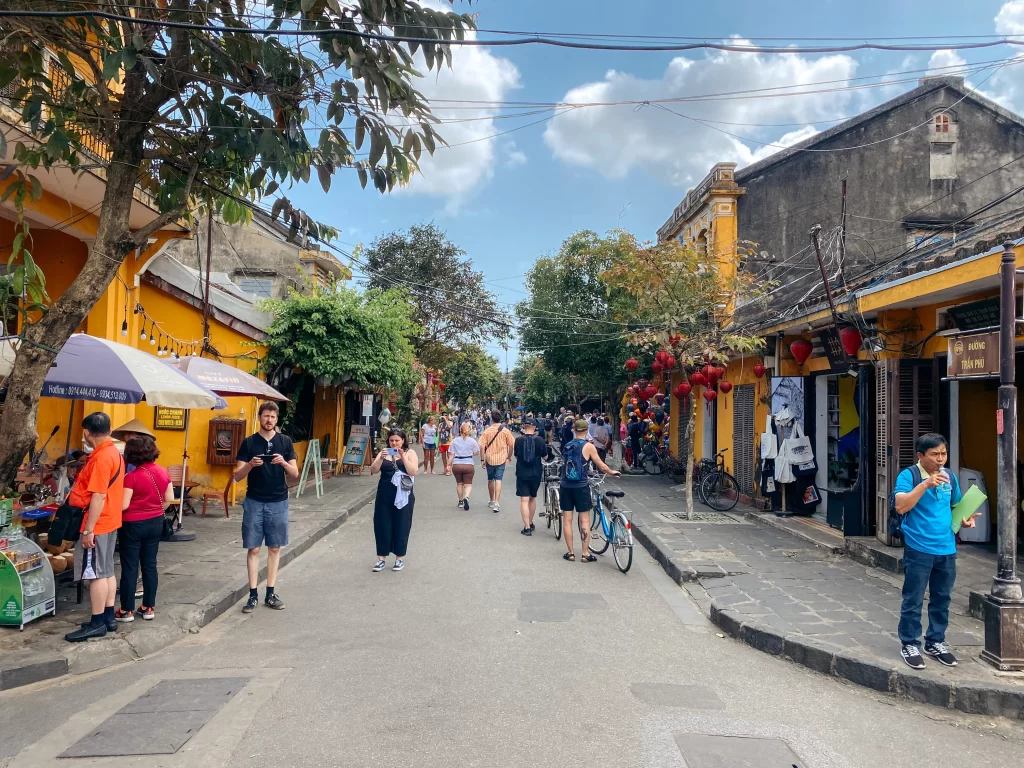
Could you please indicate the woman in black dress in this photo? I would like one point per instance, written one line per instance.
(392, 511)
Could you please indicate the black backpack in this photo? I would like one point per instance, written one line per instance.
(895, 522)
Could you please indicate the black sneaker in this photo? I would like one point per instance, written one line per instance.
(940, 652)
(533, 526)
(527, 532)
(250, 604)
(465, 504)
(87, 632)
(274, 602)
(912, 655)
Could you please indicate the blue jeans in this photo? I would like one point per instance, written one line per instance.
(937, 573)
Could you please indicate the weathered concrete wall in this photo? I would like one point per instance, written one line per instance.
(885, 182)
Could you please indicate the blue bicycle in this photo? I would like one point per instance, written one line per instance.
(609, 526)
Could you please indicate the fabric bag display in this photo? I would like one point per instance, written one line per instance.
(800, 453)
(811, 497)
(769, 440)
(783, 467)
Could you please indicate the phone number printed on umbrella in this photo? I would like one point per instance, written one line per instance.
(77, 392)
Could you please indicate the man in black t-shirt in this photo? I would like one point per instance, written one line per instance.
(529, 449)
(635, 430)
(267, 459)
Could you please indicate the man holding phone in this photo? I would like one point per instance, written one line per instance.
(267, 459)
(925, 495)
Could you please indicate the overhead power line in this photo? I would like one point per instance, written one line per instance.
(515, 41)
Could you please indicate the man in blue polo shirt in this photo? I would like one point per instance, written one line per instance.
(925, 494)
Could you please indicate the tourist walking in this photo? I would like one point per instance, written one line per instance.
(428, 438)
(267, 459)
(496, 446)
(392, 510)
(98, 492)
(147, 493)
(602, 437)
(530, 449)
(444, 442)
(464, 448)
(574, 488)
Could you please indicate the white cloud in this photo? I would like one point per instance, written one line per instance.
(615, 140)
(456, 171)
(940, 61)
(514, 156)
(1010, 19)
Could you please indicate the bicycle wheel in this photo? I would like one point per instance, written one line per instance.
(720, 491)
(547, 505)
(598, 542)
(651, 464)
(556, 512)
(622, 543)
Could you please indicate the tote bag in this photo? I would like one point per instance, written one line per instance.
(800, 453)
(769, 441)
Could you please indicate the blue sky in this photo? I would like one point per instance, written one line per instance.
(509, 199)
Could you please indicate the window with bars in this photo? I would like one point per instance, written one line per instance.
(261, 287)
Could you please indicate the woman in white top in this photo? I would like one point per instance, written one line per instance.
(428, 437)
(463, 449)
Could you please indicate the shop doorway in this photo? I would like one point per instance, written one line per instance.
(838, 426)
(709, 430)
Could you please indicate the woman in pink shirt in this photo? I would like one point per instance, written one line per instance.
(147, 491)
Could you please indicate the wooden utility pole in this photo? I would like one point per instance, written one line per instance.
(815, 231)
(842, 236)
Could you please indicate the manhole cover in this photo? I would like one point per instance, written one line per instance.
(161, 720)
(671, 695)
(704, 751)
(708, 517)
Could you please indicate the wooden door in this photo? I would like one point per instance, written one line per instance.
(743, 437)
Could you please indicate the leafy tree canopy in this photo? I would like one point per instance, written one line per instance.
(452, 303)
(344, 337)
(221, 110)
(472, 373)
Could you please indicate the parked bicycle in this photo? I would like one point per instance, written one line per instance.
(653, 458)
(552, 511)
(718, 489)
(609, 526)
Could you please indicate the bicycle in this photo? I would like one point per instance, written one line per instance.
(718, 489)
(652, 458)
(552, 510)
(611, 526)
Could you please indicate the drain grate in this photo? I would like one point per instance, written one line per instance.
(708, 517)
(708, 751)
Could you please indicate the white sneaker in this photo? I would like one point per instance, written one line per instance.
(496, 507)
(458, 504)
(491, 505)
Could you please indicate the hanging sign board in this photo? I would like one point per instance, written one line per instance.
(355, 450)
(168, 418)
(973, 355)
(367, 406)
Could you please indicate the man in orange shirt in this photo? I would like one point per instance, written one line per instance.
(496, 446)
(98, 490)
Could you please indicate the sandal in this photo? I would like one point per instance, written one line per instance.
(570, 556)
(589, 558)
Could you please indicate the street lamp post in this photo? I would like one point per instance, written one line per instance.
(1004, 605)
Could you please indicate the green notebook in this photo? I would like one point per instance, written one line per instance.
(968, 505)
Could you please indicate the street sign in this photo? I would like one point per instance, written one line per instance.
(367, 406)
(973, 355)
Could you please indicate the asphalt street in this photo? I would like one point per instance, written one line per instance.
(487, 650)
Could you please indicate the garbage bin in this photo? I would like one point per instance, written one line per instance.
(981, 533)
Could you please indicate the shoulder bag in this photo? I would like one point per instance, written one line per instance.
(769, 440)
(800, 453)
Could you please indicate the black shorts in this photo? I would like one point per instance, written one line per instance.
(575, 499)
(527, 485)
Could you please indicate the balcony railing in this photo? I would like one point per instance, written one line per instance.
(90, 140)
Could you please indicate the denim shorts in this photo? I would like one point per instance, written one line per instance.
(264, 522)
(495, 471)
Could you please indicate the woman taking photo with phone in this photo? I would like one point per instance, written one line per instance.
(463, 449)
(428, 437)
(392, 511)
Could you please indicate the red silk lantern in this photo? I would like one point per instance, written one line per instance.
(670, 363)
(660, 357)
(710, 395)
(650, 391)
(632, 364)
(801, 350)
(441, 386)
(851, 340)
(709, 371)
(657, 366)
(725, 386)
(685, 388)
(698, 379)
(760, 370)
(720, 372)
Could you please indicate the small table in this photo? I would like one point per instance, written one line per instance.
(187, 508)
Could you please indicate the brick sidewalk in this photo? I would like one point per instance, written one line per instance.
(199, 580)
(786, 596)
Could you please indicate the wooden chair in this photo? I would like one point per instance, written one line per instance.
(175, 473)
(221, 496)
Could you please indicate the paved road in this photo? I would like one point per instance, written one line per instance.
(459, 661)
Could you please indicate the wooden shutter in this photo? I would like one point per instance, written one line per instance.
(743, 437)
(916, 397)
(884, 385)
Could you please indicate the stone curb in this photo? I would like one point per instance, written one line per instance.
(678, 572)
(771, 522)
(89, 657)
(976, 697)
